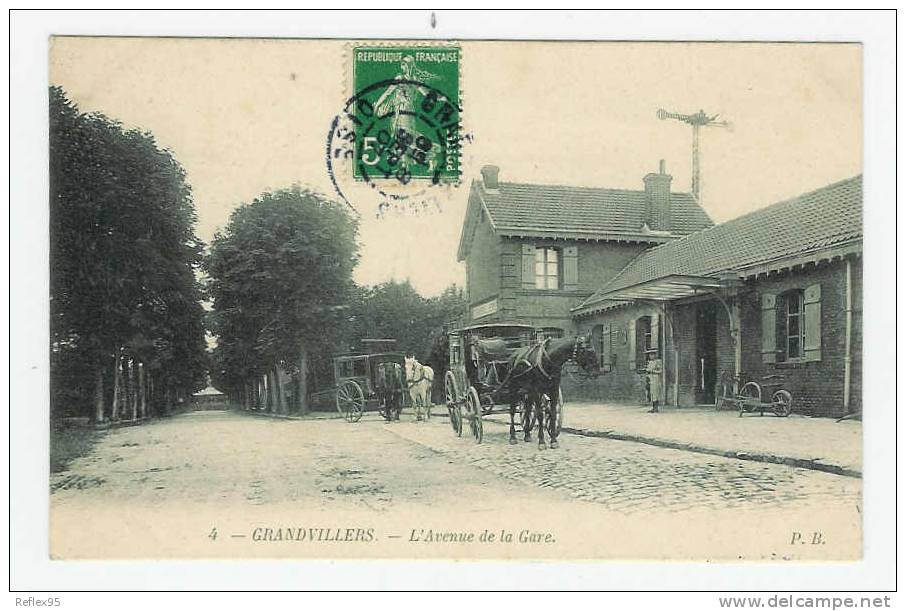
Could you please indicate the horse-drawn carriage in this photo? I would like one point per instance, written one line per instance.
(367, 381)
(511, 365)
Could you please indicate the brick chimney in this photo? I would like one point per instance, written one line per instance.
(489, 177)
(657, 199)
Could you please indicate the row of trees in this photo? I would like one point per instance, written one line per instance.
(284, 302)
(126, 322)
(280, 280)
(127, 325)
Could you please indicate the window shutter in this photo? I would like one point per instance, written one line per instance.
(655, 335)
(812, 306)
(571, 268)
(632, 341)
(768, 328)
(528, 266)
(606, 348)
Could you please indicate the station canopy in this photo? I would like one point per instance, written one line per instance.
(667, 288)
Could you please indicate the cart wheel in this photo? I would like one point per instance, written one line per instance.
(350, 401)
(451, 394)
(473, 404)
(749, 397)
(782, 403)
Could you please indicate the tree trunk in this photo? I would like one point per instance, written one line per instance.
(267, 402)
(150, 393)
(127, 389)
(167, 397)
(303, 381)
(279, 407)
(142, 385)
(99, 394)
(117, 383)
(133, 390)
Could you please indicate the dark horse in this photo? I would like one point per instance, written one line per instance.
(535, 379)
(390, 383)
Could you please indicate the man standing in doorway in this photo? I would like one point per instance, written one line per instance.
(654, 369)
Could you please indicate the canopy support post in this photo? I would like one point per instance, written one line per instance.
(732, 310)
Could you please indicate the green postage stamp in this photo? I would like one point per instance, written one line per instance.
(406, 112)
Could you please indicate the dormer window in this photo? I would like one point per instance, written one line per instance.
(547, 268)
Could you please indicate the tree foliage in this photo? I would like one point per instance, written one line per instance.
(123, 254)
(280, 276)
(396, 310)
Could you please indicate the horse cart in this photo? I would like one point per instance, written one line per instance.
(478, 381)
(748, 396)
(369, 381)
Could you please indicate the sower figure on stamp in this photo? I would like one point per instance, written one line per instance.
(654, 369)
(399, 100)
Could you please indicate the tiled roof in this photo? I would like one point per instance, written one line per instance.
(563, 211)
(820, 219)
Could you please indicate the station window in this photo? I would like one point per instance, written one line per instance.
(547, 268)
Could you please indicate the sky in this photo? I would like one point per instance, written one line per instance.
(244, 116)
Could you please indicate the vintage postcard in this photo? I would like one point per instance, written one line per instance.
(463, 300)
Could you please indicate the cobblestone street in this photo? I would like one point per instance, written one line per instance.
(166, 488)
(630, 477)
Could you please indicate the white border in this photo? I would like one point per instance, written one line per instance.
(31, 568)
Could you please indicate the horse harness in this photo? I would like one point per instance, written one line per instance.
(540, 350)
(423, 377)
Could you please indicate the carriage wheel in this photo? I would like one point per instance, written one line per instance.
(473, 404)
(749, 397)
(451, 394)
(782, 403)
(350, 401)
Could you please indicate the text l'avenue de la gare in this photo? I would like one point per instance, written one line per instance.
(266, 534)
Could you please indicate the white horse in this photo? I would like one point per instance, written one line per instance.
(419, 379)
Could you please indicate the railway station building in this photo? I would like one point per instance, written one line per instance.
(534, 252)
(777, 292)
